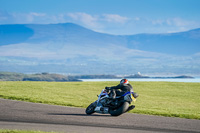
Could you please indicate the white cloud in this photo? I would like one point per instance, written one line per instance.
(94, 19)
(37, 14)
(137, 19)
(107, 23)
(179, 22)
(3, 16)
(21, 18)
(158, 22)
(31, 17)
(115, 18)
(100, 23)
(171, 25)
(85, 18)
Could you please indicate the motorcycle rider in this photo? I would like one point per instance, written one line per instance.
(124, 87)
(112, 105)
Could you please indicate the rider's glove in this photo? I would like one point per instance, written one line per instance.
(135, 95)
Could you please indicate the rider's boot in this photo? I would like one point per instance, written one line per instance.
(130, 108)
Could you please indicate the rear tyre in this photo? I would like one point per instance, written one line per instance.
(90, 109)
(122, 109)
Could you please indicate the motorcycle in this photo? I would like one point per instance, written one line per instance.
(106, 105)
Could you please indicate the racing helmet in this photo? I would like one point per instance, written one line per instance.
(124, 81)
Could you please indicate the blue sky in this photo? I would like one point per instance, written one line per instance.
(119, 17)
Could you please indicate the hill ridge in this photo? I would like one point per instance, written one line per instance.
(71, 45)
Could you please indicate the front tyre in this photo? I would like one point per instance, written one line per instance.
(122, 109)
(90, 109)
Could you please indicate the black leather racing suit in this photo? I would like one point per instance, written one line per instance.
(123, 87)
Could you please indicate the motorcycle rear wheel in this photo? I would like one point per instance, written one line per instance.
(122, 109)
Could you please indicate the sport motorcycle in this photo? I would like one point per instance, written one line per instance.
(115, 107)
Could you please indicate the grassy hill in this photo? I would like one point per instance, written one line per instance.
(9, 76)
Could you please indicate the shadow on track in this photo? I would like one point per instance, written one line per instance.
(100, 115)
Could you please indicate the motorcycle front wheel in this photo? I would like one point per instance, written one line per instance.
(90, 109)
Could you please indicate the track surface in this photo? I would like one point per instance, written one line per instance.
(32, 116)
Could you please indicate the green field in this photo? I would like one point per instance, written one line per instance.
(171, 99)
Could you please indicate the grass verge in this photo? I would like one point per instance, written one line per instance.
(171, 99)
(21, 131)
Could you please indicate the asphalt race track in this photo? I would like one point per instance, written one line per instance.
(32, 116)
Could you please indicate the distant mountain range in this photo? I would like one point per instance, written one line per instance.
(72, 49)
